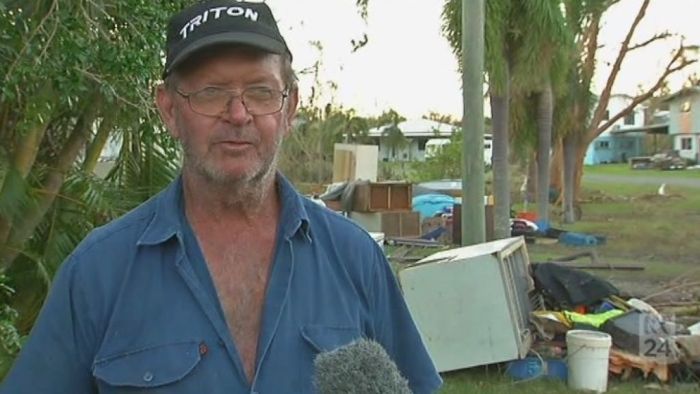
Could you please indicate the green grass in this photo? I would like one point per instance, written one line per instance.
(624, 169)
(493, 381)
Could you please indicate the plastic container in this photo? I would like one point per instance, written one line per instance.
(534, 367)
(588, 353)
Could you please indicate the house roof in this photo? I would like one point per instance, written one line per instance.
(418, 128)
(659, 128)
(683, 92)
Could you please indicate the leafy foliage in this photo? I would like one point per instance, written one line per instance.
(445, 164)
(307, 154)
(9, 336)
(71, 71)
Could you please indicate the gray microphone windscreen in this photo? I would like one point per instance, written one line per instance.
(361, 367)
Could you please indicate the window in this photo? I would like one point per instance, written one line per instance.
(607, 114)
(629, 118)
(686, 143)
(685, 107)
(604, 144)
(421, 143)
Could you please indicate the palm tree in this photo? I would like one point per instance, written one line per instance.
(519, 40)
(498, 62)
(545, 64)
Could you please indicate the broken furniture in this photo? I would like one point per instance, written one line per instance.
(471, 304)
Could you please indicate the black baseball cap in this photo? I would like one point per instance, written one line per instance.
(217, 22)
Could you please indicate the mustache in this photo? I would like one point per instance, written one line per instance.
(235, 135)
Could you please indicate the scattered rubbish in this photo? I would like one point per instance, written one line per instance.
(550, 323)
(624, 364)
(487, 304)
(642, 334)
(695, 329)
(581, 239)
(433, 204)
(529, 216)
(642, 306)
(689, 346)
(592, 319)
(566, 288)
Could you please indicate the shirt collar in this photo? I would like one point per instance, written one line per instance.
(294, 217)
(166, 220)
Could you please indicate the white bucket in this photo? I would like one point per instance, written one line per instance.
(587, 358)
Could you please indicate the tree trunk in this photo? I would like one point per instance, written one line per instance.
(581, 147)
(545, 107)
(531, 186)
(24, 154)
(98, 143)
(23, 159)
(501, 170)
(52, 185)
(556, 169)
(570, 146)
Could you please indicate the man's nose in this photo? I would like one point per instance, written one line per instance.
(236, 111)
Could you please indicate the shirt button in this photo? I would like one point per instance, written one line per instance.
(148, 376)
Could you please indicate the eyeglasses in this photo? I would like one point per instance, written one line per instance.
(214, 101)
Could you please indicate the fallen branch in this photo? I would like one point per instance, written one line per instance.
(685, 275)
(674, 304)
(670, 289)
(592, 254)
(692, 310)
(609, 267)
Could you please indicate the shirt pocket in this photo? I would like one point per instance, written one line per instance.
(150, 367)
(328, 338)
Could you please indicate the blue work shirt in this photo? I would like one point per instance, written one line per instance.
(133, 310)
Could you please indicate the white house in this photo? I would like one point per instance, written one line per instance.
(417, 132)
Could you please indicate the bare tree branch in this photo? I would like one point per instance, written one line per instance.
(660, 36)
(677, 63)
(605, 94)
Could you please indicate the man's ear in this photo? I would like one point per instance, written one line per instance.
(292, 108)
(167, 107)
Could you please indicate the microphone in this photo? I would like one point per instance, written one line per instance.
(361, 367)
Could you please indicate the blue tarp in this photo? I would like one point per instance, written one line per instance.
(430, 205)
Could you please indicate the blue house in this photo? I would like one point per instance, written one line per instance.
(624, 139)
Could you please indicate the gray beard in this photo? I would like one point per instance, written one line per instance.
(246, 191)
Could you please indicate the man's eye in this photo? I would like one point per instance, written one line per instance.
(259, 94)
(210, 93)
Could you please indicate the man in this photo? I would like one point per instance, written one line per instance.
(228, 281)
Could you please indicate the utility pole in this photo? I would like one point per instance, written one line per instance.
(473, 215)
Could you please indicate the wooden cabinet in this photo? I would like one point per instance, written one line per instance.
(382, 196)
